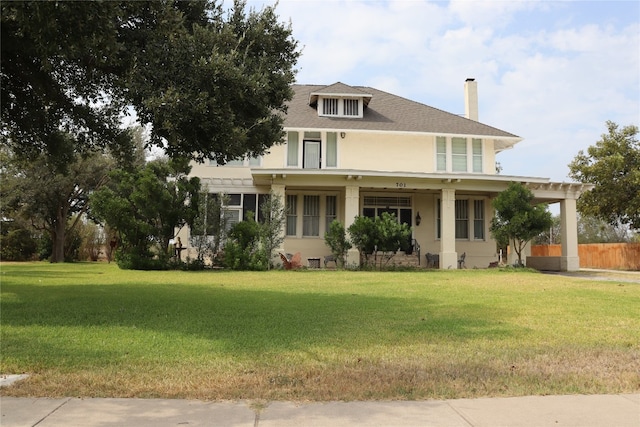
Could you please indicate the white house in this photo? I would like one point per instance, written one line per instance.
(352, 150)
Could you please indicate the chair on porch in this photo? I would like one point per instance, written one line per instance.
(461, 263)
(433, 260)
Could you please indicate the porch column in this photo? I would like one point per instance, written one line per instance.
(278, 191)
(448, 255)
(351, 210)
(569, 261)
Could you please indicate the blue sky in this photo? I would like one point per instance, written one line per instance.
(551, 72)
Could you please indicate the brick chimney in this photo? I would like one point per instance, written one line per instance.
(471, 99)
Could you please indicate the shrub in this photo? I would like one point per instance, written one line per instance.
(130, 260)
(18, 245)
(384, 234)
(336, 239)
(242, 250)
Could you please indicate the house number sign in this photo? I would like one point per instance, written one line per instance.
(401, 184)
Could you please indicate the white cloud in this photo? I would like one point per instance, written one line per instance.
(551, 72)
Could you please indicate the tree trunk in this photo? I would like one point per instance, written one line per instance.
(58, 237)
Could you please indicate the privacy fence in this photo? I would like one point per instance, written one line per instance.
(619, 256)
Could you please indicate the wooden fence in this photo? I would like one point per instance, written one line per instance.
(618, 256)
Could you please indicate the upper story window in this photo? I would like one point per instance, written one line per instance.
(312, 150)
(341, 107)
(459, 154)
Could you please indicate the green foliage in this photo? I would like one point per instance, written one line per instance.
(613, 165)
(362, 233)
(517, 220)
(550, 236)
(137, 260)
(48, 198)
(596, 230)
(145, 207)
(93, 241)
(336, 239)
(209, 225)
(273, 219)
(211, 84)
(390, 235)
(242, 250)
(384, 234)
(17, 245)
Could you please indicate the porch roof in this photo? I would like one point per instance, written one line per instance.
(544, 190)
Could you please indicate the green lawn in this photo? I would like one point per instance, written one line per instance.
(96, 330)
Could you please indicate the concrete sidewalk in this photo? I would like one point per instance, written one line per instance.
(531, 411)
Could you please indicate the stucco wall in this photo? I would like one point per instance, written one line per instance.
(386, 152)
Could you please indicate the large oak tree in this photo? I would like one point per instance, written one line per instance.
(51, 201)
(211, 83)
(613, 165)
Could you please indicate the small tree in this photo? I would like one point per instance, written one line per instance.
(517, 220)
(384, 234)
(273, 218)
(243, 251)
(363, 236)
(145, 206)
(336, 239)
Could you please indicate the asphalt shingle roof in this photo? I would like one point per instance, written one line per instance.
(385, 112)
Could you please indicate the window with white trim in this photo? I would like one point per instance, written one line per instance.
(331, 157)
(441, 154)
(292, 148)
(292, 214)
(311, 216)
(477, 154)
(315, 150)
(463, 220)
(478, 219)
(331, 210)
(459, 154)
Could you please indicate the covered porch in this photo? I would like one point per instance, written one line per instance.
(449, 214)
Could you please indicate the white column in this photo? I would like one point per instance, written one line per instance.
(351, 210)
(278, 190)
(569, 261)
(448, 255)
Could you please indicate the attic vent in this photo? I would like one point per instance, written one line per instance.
(330, 106)
(351, 107)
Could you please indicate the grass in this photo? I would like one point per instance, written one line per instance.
(92, 330)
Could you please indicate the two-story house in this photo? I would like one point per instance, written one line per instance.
(353, 151)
